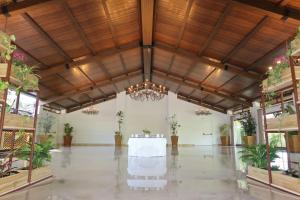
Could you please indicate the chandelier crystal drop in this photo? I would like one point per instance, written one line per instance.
(91, 110)
(147, 91)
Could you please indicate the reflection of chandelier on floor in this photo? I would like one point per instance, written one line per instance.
(147, 91)
(91, 110)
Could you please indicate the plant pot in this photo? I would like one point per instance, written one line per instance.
(286, 80)
(249, 140)
(18, 121)
(174, 140)
(40, 173)
(283, 122)
(258, 174)
(294, 143)
(13, 182)
(225, 140)
(3, 69)
(118, 140)
(279, 179)
(42, 138)
(68, 141)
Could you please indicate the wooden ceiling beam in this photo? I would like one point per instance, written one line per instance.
(78, 27)
(86, 59)
(202, 81)
(30, 55)
(212, 62)
(284, 2)
(46, 36)
(90, 87)
(147, 18)
(246, 39)
(200, 102)
(208, 89)
(22, 6)
(90, 103)
(218, 102)
(247, 88)
(188, 7)
(216, 29)
(271, 9)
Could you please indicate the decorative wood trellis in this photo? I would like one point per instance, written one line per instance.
(283, 125)
(10, 141)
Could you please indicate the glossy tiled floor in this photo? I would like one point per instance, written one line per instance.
(188, 173)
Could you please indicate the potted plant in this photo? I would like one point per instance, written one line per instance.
(146, 132)
(46, 122)
(118, 135)
(224, 131)
(68, 129)
(294, 142)
(249, 127)
(174, 125)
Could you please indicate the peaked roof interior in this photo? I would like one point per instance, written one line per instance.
(211, 50)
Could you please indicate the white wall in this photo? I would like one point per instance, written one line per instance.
(99, 129)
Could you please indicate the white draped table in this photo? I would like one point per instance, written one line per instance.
(147, 147)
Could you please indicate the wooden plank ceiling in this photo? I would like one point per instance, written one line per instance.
(209, 51)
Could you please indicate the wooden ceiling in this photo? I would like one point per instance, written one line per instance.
(214, 51)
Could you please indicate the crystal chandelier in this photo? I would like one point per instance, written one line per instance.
(202, 110)
(91, 110)
(147, 91)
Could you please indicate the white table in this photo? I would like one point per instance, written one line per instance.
(147, 147)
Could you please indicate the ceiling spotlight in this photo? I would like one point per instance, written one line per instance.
(270, 68)
(67, 66)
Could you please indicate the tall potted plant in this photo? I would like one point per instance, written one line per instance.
(118, 135)
(224, 131)
(174, 125)
(46, 122)
(68, 135)
(249, 127)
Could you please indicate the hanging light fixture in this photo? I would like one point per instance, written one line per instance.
(202, 110)
(147, 91)
(91, 110)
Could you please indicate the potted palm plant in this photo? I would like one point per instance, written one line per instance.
(224, 131)
(68, 135)
(118, 135)
(174, 125)
(249, 127)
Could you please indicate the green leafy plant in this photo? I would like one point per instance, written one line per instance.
(248, 124)
(295, 44)
(7, 46)
(46, 122)
(25, 74)
(41, 153)
(174, 125)
(3, 85)
(224, 129)
(146, 131)
(256, 155)
(68, 129)
(120, 116)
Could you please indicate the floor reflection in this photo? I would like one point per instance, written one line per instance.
(93, 173)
